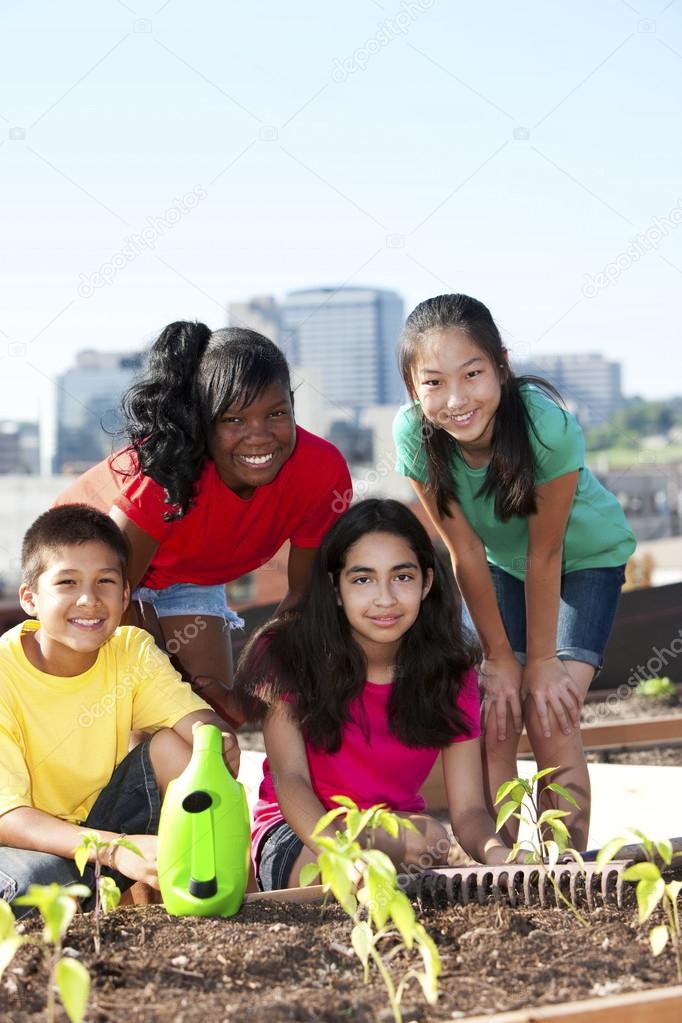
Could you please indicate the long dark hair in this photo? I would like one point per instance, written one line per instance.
(309, 655)
(511, 472)
(192, 375)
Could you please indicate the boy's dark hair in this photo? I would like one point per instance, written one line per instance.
(193, 375)
(66, 526)
(308, 654)
(511, 473)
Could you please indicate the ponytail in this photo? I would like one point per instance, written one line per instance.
(163, 417)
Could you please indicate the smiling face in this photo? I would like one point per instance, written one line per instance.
(250, 445)
(459, 389)
(381, 588)
(78, 599)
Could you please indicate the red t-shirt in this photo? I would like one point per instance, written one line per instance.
(372, 765)
(223, 536)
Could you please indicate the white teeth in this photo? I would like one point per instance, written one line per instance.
(462, 419)
(256, 459)
(87, 621)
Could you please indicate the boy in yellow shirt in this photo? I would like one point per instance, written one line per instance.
(73, 685)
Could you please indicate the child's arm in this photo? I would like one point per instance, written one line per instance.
(472, 825)
(289, 769)
(500, 672)
(231, 753)
(27, 828)
(545, 679)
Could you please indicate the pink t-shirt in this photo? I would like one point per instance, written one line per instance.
(372, 765)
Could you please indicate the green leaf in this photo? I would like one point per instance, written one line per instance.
(125, 843)
(308, 874)
(389, 823)
(73, 984)
(7, 923)
(345, 801)
(506, 787)
(673, 889)
(109, 893)
(8, 947)
(380, 889)
(552, 852)
(81, 857)
(544, 773)
(504, 813)
(552, 815)
(326, 820)
(609, 850)
(642, 872)
(563, 792)
(648, 897)
(658, 939)
(645, 840)
(560, 834)
(577, 857)
(665, 850)
(403, 917)
(432, 965)
(361, 940)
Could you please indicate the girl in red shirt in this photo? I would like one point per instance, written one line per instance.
(367, 682)
(216, 478)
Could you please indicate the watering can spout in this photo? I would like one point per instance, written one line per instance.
(204, 851)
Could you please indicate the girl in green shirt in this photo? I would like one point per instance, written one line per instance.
(538, 546)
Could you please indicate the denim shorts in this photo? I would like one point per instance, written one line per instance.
(589, 598)
(129, 803)
(190, 599)
(276, 857)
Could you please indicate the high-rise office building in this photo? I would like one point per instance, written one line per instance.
(88, 401)
(19, 448)
(261, 313)
(590, 384)
(347, 337)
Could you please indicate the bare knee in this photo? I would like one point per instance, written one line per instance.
(169, 754)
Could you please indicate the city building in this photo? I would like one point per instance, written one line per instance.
(19, 447)
(347, 338)
(261, 313)
(589, 383)
(87, 407)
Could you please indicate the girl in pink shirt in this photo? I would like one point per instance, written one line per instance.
(366, 683)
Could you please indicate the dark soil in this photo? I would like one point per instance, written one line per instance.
(276, 962)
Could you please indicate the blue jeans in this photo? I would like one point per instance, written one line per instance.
(589, 598)
(190, 599)
(277, 854)
(129, 803)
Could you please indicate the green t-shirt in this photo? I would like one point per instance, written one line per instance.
(597, 534)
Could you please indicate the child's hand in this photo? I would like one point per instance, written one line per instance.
(138, 868)
(231, 752)
(500, 679)
(547, 683)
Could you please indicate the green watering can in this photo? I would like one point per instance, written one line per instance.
(204, 835)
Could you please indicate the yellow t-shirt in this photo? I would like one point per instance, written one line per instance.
(62, 738)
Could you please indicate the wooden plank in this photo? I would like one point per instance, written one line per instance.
(313, 893)
(664, 1004)
(606, 735)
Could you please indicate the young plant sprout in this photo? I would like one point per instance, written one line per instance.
(652, 890)
(655, 688)
(364, 883)
(519, 794)
(107, 892)
(57, 906)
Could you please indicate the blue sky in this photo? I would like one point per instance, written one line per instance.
(160, 159)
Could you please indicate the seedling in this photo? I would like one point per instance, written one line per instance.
(652, 890)
(364, 883)
(57, 906)
(10, 940)
(655, 688)
(519, 794)
(107, 892)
